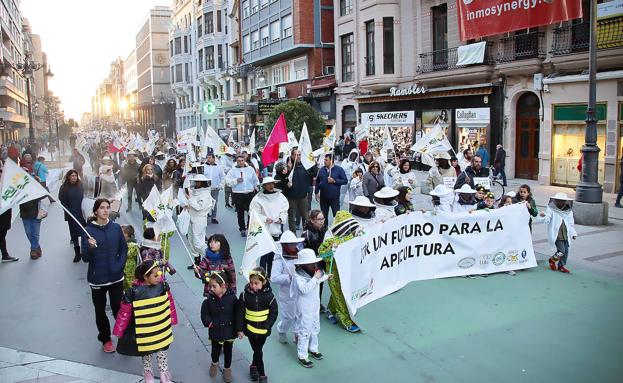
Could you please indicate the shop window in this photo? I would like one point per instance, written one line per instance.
(349, 118)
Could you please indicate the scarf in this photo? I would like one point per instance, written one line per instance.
(212, 255)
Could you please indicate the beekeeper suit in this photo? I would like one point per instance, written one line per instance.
(283, 275)
(200, 204)
(307, 304)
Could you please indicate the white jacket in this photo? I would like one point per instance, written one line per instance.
(274, 206)
(200, 203)
(216, 175)
(403, 179)
(384, 212)
(458, 208)
(355, 188)
(554, 218)
(249, 179)
(283, 275)
(308, 302)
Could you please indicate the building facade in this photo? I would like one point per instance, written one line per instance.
(528, 92)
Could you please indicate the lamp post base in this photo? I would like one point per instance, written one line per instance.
(590, 214)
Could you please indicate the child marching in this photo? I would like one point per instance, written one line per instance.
(560, 227)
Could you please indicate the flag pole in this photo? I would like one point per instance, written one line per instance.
(74, 218)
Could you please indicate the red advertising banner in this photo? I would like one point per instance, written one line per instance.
(479, 18)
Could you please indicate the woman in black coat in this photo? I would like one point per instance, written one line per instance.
(146, 182)
(5, 226)
(71, 194)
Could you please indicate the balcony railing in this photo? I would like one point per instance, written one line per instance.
(521, 47)
(446, 59)
(574, 38)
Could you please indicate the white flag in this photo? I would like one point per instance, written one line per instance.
(362, 131)
(292, 142)
(307, 155)
(387, 140)
(259, 242)
(433, 142)
(17, 187)
(213, 141)
(160, 207)
(252, 142)
(328, 143)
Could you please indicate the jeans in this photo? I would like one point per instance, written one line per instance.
(241, 201)
(131, 190)
(325, 204)
(620, 192)
(227, 347)
(297, 208)
(257, 344)
(503, 173)
(32, 227)
(98, 296)
(563, 247)
(228, 197)
(214, 193)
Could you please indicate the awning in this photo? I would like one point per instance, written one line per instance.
(464, 90)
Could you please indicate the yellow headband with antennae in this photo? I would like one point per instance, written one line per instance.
(259, 274)
(156, 263)
(208, 275)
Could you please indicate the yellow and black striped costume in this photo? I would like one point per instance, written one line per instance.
(153, 323)
(257, 311)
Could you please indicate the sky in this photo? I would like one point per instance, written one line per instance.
(81, 39)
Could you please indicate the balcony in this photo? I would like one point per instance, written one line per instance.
(570, 45)
(521, 54)
(434, 66)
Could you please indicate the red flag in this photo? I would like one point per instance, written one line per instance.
(113, 149)
(278, 135)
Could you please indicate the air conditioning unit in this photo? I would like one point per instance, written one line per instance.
(329, 70)
(265, 94)
(281, 92)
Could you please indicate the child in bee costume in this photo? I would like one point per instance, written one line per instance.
(145, 319)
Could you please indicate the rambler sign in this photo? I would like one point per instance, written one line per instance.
(412, 90)
(388, 118)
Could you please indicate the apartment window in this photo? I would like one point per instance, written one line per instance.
(185, 44)
(278, 75)
(346, 7)
(172, 74)
(171, 48)
(209, 21)
(370, 48)
(440, 35)
(300, 69)
(254, 6)
(388, 45)
(209, 57)
(178, 73)
(246, 43)
(219, 22)
(220, 56)
(347, 57)
(200, 55)
(186, 72)
(245, 9)
(178, 45)
(255, 39)
(286, 26)
(275, 29)
(264, 35)
(199, 26)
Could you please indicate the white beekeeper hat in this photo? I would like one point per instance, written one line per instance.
(386, 192)
(306, 257)
(268, 180)
(440, 190)
(465, 189)
(362, 201)
(289, 237)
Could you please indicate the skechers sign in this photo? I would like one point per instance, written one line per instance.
(389, 118)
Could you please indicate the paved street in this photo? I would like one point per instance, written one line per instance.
(534, 327)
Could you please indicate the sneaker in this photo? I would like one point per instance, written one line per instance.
(214, 221)
(109, 347)
(511, 272)
(353, 328)
(243, 233)
(77, 258)
(618, 205)
(563, 269)
(213, 370)
(306, 363)
(283, 338)
(227, 376)
(263, 379)
(191, 267)
(331, 318)
(165, 377)
(552, 264)
(228, 206)
(322, 309)
(8, 258)
(255, 376)
(316, 355)
(149, 376)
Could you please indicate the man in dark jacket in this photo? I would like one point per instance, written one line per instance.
(297, 191)
(500, 162)
(129, 174)
(349, 145)
(328, 183)
(475, 170)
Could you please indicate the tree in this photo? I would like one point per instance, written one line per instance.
(296, 112)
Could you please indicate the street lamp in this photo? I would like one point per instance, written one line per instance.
(588, 189)
(241, 73)
(26, 70)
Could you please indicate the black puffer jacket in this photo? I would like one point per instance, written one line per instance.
(313, 237)
(253, 304)
(220, 313)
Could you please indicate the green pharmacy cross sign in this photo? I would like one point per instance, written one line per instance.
(208, 108)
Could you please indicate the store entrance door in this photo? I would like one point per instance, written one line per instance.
(527, 139)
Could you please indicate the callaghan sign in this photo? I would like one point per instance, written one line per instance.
(412, 90)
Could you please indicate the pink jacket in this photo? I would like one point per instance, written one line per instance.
(125, 315)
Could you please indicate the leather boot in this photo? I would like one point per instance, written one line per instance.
(77, 255)
(227, 376)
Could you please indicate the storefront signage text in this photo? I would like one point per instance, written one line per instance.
(412, 90)
(471, 116)
(405, 118)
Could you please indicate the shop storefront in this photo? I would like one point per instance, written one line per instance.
(466, 113)
(401, 125)
(568, 131)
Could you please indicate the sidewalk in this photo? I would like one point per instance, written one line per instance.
(25, 367)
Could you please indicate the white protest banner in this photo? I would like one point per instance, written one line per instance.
(305, 146)
(259, 242)
(362, 131)
(213, 141)
(449, 182)
(251, 146)
(484, 181)
(292, 142)
(17, 187)
(433, 142)
(416, 246)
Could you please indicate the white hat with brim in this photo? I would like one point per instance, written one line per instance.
(511, 194)
(268, 180)
(289, 237)
(440, 190)
(465, 189)
(561, 196)
(442, 156)
(106, 158)
(362, 201)
(132, 153)
(198, 177)
(386, 192)
(159, 153)
(306, 257)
